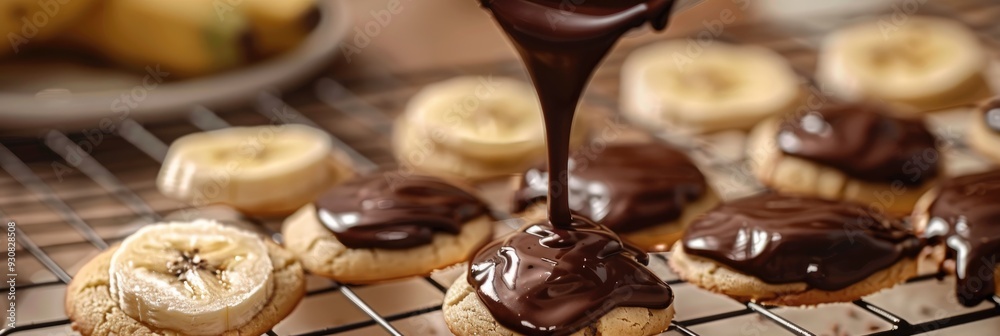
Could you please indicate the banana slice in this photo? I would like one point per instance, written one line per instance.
(923, 62)
(717, 87)
(24, 23)
(474, 128)
(198, 278)
(265, 170)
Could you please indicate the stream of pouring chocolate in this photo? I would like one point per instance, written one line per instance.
(561, 43)
(558, 277)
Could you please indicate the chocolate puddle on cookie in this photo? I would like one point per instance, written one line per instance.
(557, 277)
(376, 212)
(783, 239)
(547, 281)
(965, 218)
(864, 142)
(628, 187)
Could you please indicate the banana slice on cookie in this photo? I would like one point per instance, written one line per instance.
(923, 63)
(197, 279)
(265, 170)
(474, 128)
(186, 278)
(706, 89)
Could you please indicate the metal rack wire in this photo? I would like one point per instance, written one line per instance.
(330, 96)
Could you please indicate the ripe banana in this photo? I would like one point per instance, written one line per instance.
(279, 26)
(194, 37)
(923, 63)
(688, 87)
(24, 23)
(198, 278)
(265, 170)
(474, 128)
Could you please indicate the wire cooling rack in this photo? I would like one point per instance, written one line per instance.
(72, 195)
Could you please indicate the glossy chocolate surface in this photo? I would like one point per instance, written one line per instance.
(783, 239)
(561, 43)
(627, 187)
(966, 217)
(554, 282)
(376, 211)
(864, 142)
(991, 114)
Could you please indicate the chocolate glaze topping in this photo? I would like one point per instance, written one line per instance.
(561, 44)
(627, 187)
(554, 281)
(783, 239)
(864, 142)
(375, 211)
(991, 113)
(966, 218)
(546, 281)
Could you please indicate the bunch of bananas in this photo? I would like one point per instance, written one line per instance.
(183, 37)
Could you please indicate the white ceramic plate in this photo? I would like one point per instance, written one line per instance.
(64, 95)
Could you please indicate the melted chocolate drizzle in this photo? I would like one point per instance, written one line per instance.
(578, 272)
(784, 239)
(543, 280)
(626, 188)
(864, 142)
(561, 43)
(376, 211)
(965, 217)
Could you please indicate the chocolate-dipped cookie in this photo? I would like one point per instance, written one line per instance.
(647, 192)
(961, 216)
(542, 280)
(564, 275)
(376, 228)
(794, 251)
(852, 152)
(984, 129)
